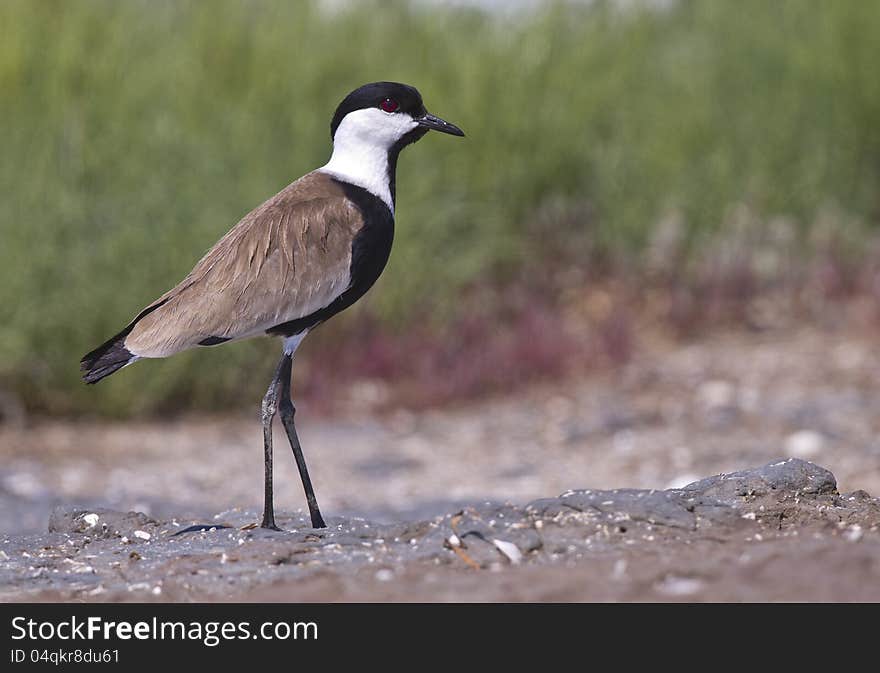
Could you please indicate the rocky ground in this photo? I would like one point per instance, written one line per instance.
(406, 493)
(779, 532)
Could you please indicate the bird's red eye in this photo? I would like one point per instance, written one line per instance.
(389, 105)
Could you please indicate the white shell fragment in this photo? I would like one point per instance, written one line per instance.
(91, 520)
(510, 550)
(142, 535)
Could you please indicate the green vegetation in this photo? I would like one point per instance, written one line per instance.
(136, 133)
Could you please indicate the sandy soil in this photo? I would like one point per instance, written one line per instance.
(671, 416)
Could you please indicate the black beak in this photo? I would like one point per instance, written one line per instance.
(436, 124)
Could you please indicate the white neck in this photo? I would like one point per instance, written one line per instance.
(363, 166)
(360, 150)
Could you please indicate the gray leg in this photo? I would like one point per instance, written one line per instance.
(287, 413)
(269, 407)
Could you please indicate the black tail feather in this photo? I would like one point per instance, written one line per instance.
(107, 358)
(112, 355)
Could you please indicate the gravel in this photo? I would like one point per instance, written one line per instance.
(778, 532)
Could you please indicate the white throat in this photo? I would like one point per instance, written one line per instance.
(360, 149)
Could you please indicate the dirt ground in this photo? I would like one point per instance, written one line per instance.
(672, 416)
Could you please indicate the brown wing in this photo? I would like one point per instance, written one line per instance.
(286, 259)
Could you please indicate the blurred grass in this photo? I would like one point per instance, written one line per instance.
(136, 133)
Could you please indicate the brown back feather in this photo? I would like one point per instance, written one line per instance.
(285, 259)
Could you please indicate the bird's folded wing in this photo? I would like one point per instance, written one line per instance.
(288, 258)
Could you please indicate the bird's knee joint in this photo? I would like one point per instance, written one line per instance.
(287, 409)
(268, 407)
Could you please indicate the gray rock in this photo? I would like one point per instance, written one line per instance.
(791, 476)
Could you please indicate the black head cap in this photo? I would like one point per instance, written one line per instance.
(372, 95)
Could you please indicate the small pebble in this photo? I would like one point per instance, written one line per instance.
(854, 534)
(716, 394)
(804, 444)
(680, 586)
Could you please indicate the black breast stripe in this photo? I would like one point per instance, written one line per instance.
(370, 249)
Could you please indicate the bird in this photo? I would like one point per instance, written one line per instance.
(292, 263)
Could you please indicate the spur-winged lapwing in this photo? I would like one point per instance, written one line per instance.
(304, 255)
